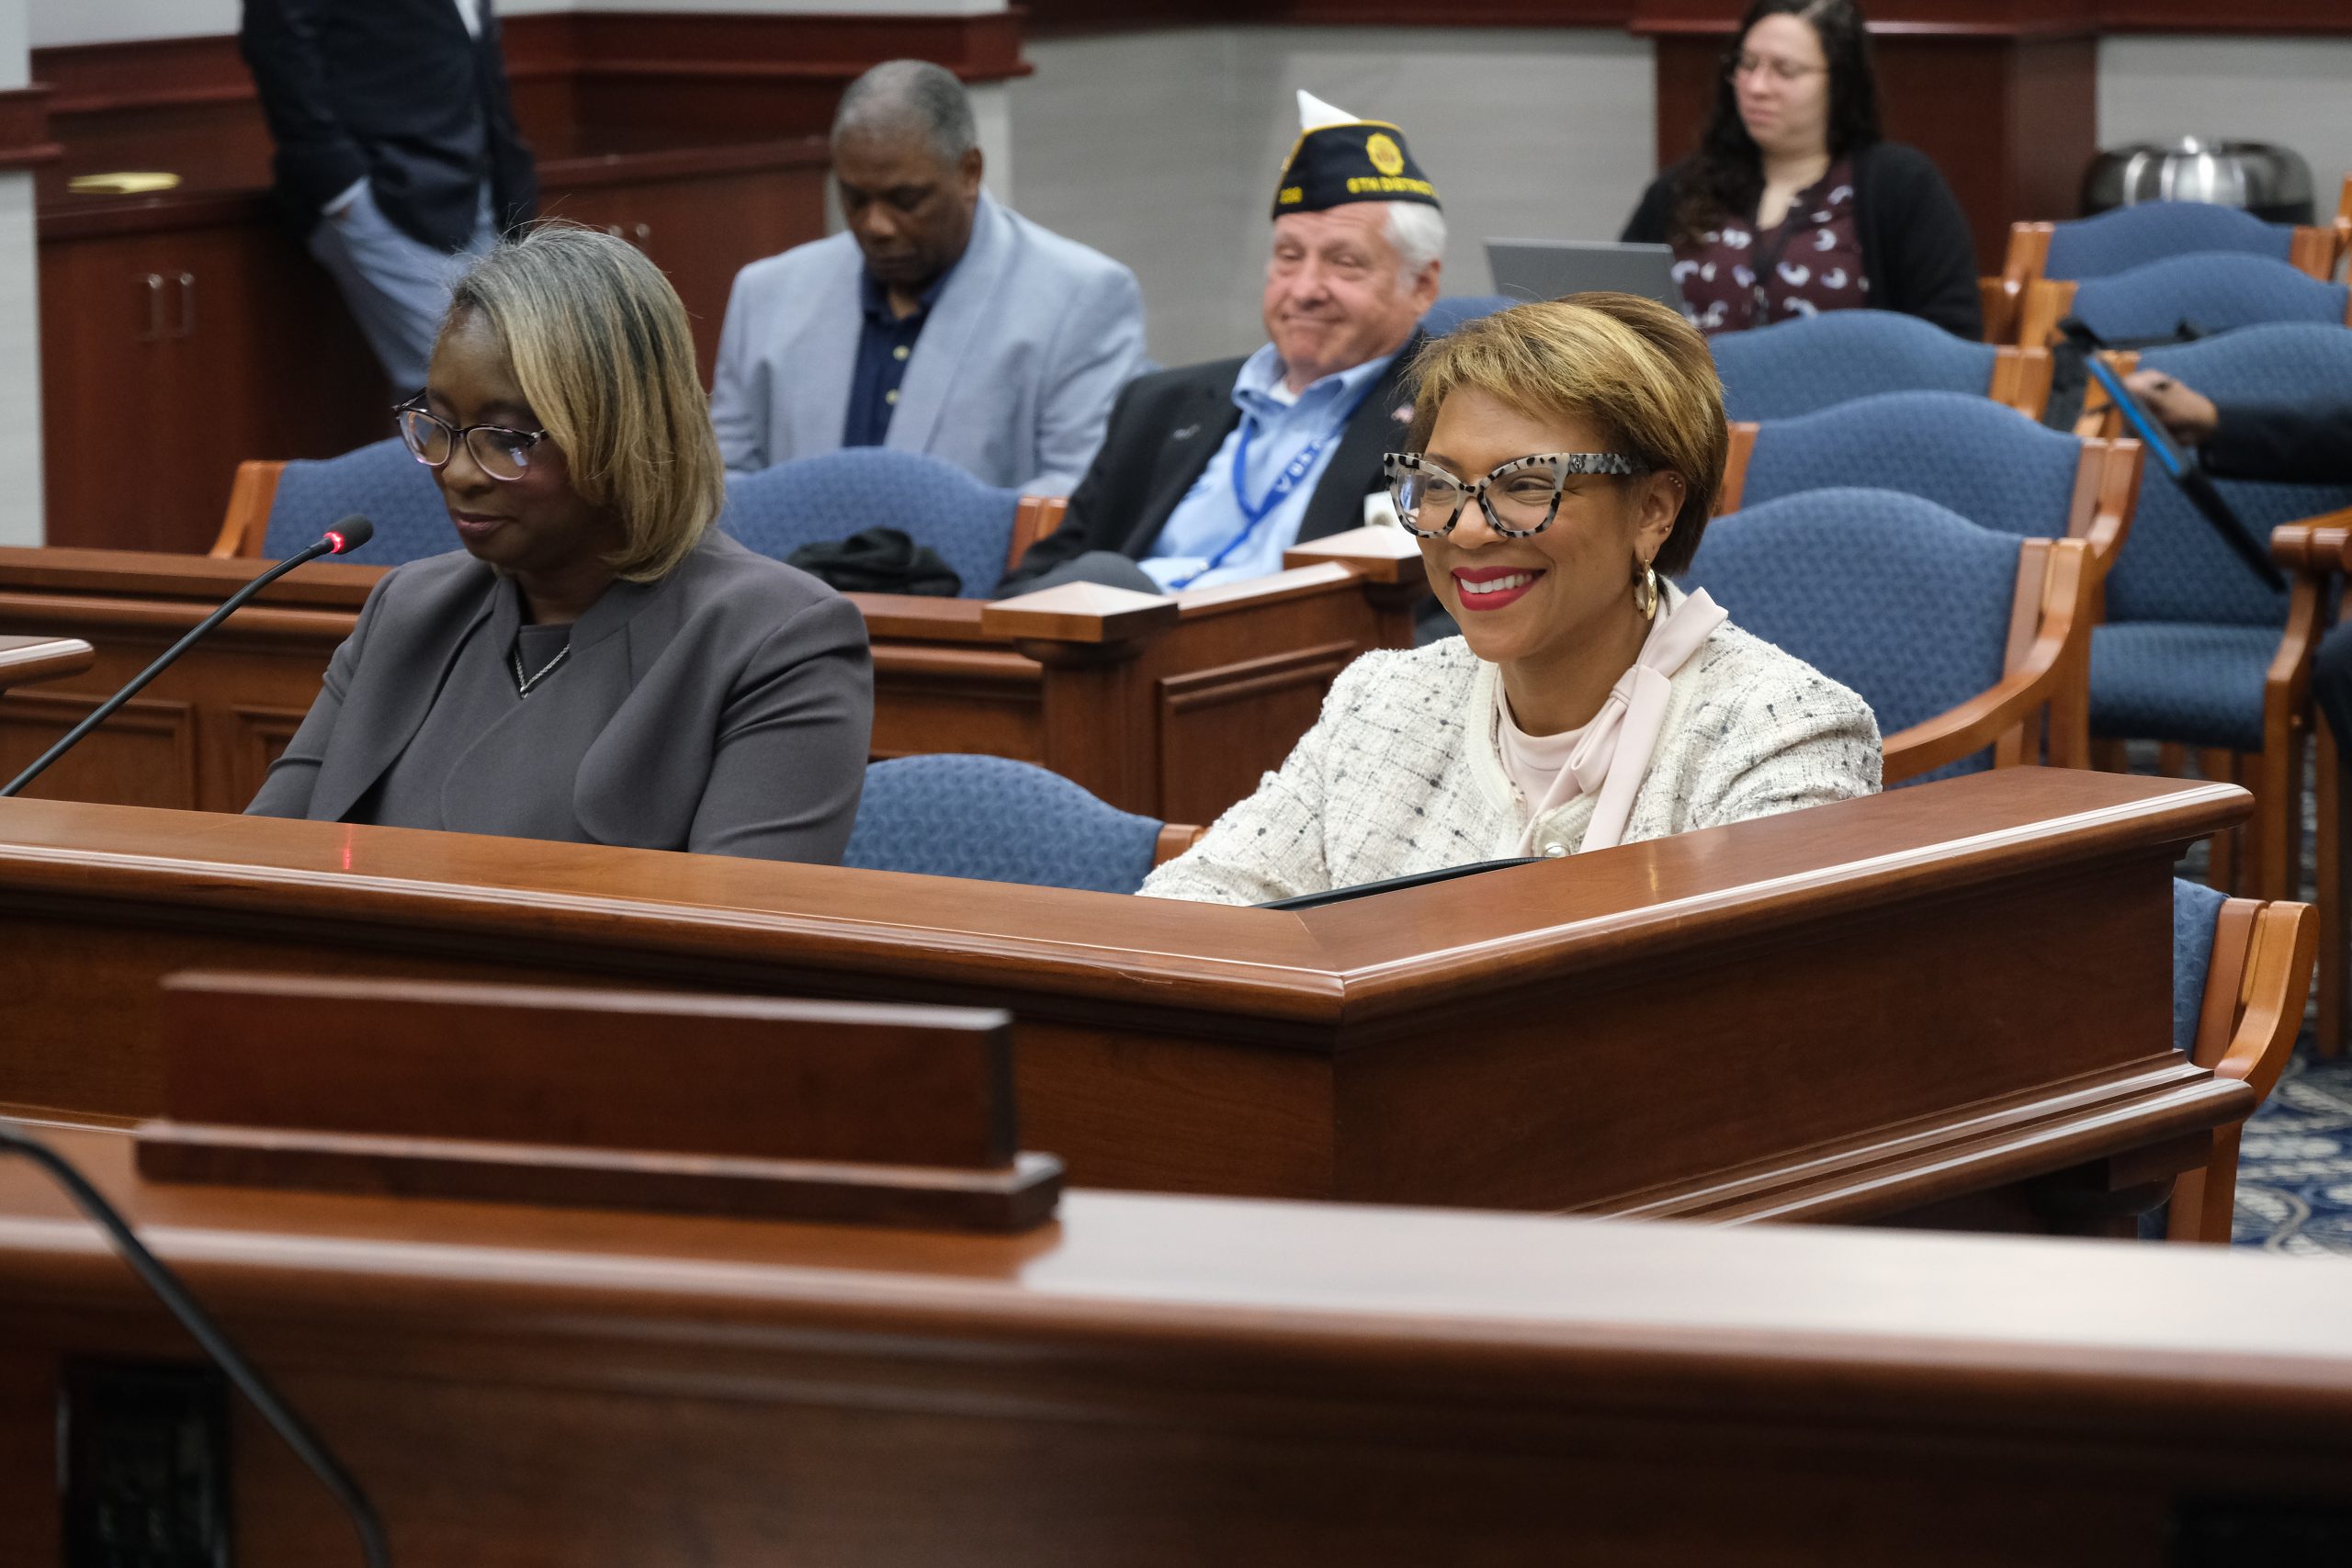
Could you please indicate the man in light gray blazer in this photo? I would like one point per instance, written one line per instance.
(941, 321)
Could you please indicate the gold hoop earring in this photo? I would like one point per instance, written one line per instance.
(1645, 592)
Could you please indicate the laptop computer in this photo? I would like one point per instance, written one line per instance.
(2183, 470)
(1546, 269)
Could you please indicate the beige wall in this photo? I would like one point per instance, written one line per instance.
(20, 456)
(2293, 91)
(1160, 148)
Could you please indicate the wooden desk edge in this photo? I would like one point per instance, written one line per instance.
(1552, 1308)
(1315, 970)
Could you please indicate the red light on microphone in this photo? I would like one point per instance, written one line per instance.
(336, 541)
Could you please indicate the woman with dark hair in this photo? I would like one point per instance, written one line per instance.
(1793, 203)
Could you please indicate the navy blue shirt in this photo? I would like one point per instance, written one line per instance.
(885, 344)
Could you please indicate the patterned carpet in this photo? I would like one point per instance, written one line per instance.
(2295, 1164)
(2295, 1161)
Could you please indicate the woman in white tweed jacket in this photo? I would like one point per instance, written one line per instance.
(1586, 703)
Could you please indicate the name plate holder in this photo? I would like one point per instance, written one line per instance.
(742, 1107)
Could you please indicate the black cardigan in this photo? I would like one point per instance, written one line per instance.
(1917, 250)
(2282, 443)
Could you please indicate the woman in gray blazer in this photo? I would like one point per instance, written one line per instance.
(599, 663)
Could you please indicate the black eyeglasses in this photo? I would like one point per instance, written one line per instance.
(1520, 498)
(501, 453)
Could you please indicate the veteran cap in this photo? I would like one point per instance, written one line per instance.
(1339, 159)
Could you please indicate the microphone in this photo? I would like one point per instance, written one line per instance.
(342, 539)
(169, 1290)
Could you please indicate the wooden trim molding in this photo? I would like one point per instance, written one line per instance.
(1052, 18)
(24, 129)
(612, 45)
(1956, 18)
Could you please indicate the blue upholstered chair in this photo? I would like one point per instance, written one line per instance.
(2240, 970)
(2195, 651)
(1455, 308)
(993, 819)
(2132, 236)
(1987, 463)
(2214, 290)
(1802, 367)
(279, 508)
(811, 501)
(1915, 607)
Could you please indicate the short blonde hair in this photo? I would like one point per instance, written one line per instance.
(1630, 367)
(600, 345)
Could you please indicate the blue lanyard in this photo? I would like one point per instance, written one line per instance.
(1294, 473)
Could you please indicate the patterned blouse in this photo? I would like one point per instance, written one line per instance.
(1812, 262)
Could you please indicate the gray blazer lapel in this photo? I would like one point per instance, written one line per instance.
(386, 712)
(814, 367)
(966, 305)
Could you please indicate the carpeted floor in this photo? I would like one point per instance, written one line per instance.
(2295, 1163)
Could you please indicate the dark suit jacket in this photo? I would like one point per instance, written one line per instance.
(1163, 431)
(396, 91)
(2283, 442)
(723, 709)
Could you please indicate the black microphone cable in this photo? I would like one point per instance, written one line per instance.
(346, 536)
(183, 1304)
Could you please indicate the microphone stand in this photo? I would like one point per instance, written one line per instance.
(192, 1316)
(332, 544)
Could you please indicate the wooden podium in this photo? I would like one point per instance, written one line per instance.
(1161, 1382)
(1949, 1005)
(1171, 708)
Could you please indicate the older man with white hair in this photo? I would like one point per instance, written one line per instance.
(1207, 474)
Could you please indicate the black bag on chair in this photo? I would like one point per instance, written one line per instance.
(878, 560)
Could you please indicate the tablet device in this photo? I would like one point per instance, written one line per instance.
(2183, 471)
(1547, 269)
(1390, 885)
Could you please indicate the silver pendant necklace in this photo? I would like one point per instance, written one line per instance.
(522, 684)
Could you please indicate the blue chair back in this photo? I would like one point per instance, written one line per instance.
(384, 481)
(1802, 367)
(1897, 598)
(2132, 236)
(1455, 308)
(813, 500)
(993, 819)
(2195, 909)
(1988, 463)
(2213, 291)
(2174, 567)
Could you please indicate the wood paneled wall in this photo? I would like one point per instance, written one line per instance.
(188, 326)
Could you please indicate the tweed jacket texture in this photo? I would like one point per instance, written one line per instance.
(1402, 774)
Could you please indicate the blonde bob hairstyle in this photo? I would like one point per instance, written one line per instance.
(600, 345)
(1632, 368)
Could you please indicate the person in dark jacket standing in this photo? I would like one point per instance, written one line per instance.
(398, 160)
(1794, 204)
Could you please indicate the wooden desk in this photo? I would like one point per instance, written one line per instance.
(26, 661)
(1175, 719)
(1163, 1381)
(1952, 1003)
